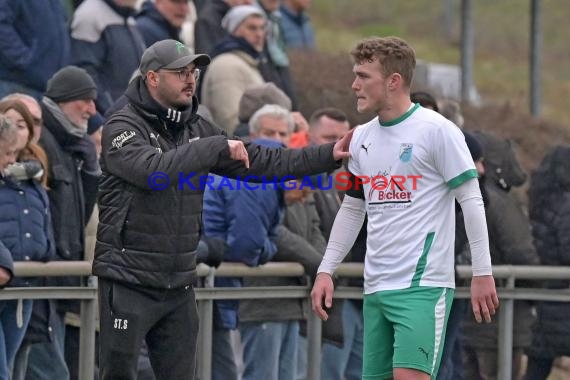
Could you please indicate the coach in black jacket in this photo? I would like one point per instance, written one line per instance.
(146, 241)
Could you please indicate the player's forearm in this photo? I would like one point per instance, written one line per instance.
(345, 229)
(469, 197)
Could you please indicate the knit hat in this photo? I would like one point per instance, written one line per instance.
(170, 54)
(69, 84)
(236, 15)
(257, 96)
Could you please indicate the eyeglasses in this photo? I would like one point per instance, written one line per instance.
(184, 74)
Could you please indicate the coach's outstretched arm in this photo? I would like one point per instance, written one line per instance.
(484, 298)
(345, 229)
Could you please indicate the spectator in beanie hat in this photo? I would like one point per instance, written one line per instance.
(67, 106)
(71, 83)
(235, 65)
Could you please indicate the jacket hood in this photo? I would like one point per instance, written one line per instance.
(149, 10)
(231, 43)
(501, 163)
(138, 95)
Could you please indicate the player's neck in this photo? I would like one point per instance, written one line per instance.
(394, 110)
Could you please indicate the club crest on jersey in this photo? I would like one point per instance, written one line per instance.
(406, 152)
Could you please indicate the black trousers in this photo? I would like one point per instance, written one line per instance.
(166, 319)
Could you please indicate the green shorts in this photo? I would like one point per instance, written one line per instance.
(404, 329)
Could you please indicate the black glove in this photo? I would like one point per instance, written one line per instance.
(211, 251)
(85, 150)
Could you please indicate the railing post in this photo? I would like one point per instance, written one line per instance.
(206, 312)
(314, 331)
(87, 334)
(505, 343)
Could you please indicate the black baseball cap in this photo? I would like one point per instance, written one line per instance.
(170, 54)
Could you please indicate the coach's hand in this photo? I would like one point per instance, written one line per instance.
(484, 300)
(322, 294)
(340, 150)
(238, 152)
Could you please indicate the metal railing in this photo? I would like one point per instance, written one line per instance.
(206, 295)
(86, 294)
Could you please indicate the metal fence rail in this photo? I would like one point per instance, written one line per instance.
(206, 295)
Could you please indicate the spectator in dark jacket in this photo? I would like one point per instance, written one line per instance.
(549, 207)
(341, 359)
(208, 31)
(510, 243)
(34, 44)
(161, 20)
(147, 240)
(25, 225)
(108, 46)
(73, 174)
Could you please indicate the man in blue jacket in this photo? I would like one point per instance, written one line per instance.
(161, 20)
(108, 46)
(246, 216)
(34, 44)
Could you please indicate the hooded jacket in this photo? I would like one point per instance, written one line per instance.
(208, 30)
(153, 26)
(234, 69)
(108, 46)
(148, 237)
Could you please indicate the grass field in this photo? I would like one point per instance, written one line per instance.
(501, 28)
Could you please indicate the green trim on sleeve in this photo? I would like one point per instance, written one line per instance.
(401, 118)
(462, 178)
(422, 262)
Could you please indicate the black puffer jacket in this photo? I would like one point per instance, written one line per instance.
(549, 201)
(147, 237)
